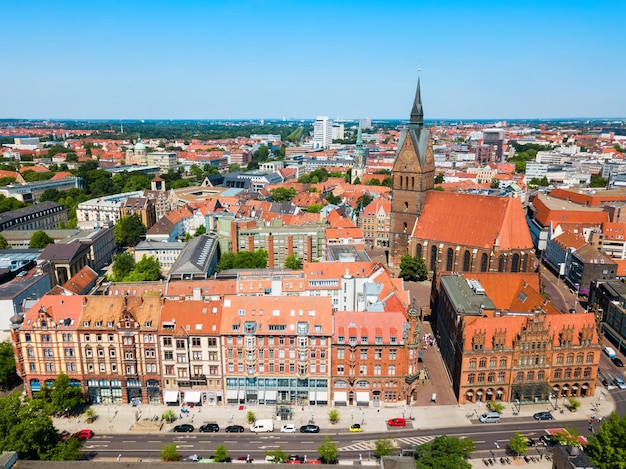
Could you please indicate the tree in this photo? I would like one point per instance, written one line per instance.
(357, 180)
(251, 260)
(227, 261)
(169, 452)
(383, 447)
(314, 208)
(539, 182)
(412, 268)
(606, 446)
(64, 396)
(221, 454)
(364, 201)
(282, 194)
(519, 444)
(597, 181)
(4, 244)
(293, 262)
(387, 182)
(146, 270)
(276, 455)
(373, 182)
(8, 376)
(444, 452)
(123, 264)
(332, 199)
(128, 230)
(439, 178)
(328, 450)
(233, 168)
(40, 240)
(495, 184)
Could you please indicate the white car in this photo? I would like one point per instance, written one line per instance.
(619, 382)
(289, 428)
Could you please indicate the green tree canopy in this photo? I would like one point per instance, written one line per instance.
(607, 447)
(39, 240)
(413, 268)
(539, 182)
(293, 262)
(282, 194)
(123, 264)
(277, 455)
(10, 203)
(328, 450)
(221, 454)
(519, 444)
(597, 181)
(439, 178)
(63, 396)
(146, 270)
(383, 447)
(444, 452)
(200, 231)
(332, 199)
(373, 182)
(169, 452)
(128, 230)
(4, 244)
(314, 208)
(8, 376)
(363, 201)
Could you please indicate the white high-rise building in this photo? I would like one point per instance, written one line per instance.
(322, 132)
(338, 131)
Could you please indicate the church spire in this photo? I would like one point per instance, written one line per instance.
(417, 113)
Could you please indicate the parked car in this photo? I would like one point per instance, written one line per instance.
(234, 429)
(355, 427)
(548, 440)
(184, 428)
(543, 416)
(84, 434)
(288, 428)
(65, 435)
(247, 458)
(617, 362)
(530, 441)
(295, 457)
(209, 428)
(309, 429)
(397, 422)
(619, 382)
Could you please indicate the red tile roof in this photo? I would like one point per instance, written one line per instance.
(473, 220)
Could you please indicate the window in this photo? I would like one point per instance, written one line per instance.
(492, 363)
(567, 374)
(392, 370)
(197, 355)
(501, 376)
(363, 354)
(472, 364)
(471, 378)
(491, 377)
(392, 354)
(466, 261)
(503, 363)
(482, 363)
(180, 344)
(377, 370)
(557, 373)
(519, 377)
(195, 341)
(341, 354)
(340, 369)
(559, 359)
(589, 358)
(570, 359)
(363, 369)
(168, 355)
(167, 341)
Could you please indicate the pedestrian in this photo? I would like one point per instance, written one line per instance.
(378, 410)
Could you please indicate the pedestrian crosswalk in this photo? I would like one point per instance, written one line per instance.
(403, 442)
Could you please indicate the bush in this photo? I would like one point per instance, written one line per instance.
(251, 417)
(333, 416)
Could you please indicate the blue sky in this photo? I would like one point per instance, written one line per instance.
(204, 59)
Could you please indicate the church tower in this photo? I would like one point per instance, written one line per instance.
(413, 177)
(358, 168)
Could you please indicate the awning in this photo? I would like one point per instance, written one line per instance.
(565, 387)
(469, 393)
(311, 395)
(271, 395)
(340, 396)
(242, 394)
(585, 386)
(322, 396)
(231, 394)
(170, 396)
(555, 387)
(362, 396)
(261, 395)
(479, 392)
(192, 396)
(574, 388)
(499, 392)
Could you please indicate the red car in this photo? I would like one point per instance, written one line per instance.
(396, 422)
(84, 434)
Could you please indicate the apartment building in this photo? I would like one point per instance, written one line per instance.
(375, 221)
(43, 216)
(103, 211)
(276, 352)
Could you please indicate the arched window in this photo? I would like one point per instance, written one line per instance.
(404, 227)
(530, 376)
(341, 384)
(484, 262)
(466, 261)
(491, 377)
(471, 378)
(541, 375)
(433, 258)
(406, 206)
(449, 260)
(525, 263)
(482, 363)
(519, 378)
(515, 263)
(418, 250)
(412, 182)
(501, 263)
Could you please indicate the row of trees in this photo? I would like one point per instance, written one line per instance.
(126, 270)
(243, 260)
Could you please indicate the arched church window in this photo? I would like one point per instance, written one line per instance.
(515, 263)
(449, 260)
(466, 261)
(484, 262)
(433, 258)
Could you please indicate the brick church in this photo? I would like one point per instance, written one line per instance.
(452, 232)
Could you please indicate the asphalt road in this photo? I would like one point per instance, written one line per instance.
(490, 439)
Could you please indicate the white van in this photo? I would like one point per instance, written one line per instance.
(609, 352)
(261, 426)
(490, 417)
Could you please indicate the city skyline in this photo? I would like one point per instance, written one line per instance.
(278, 59)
